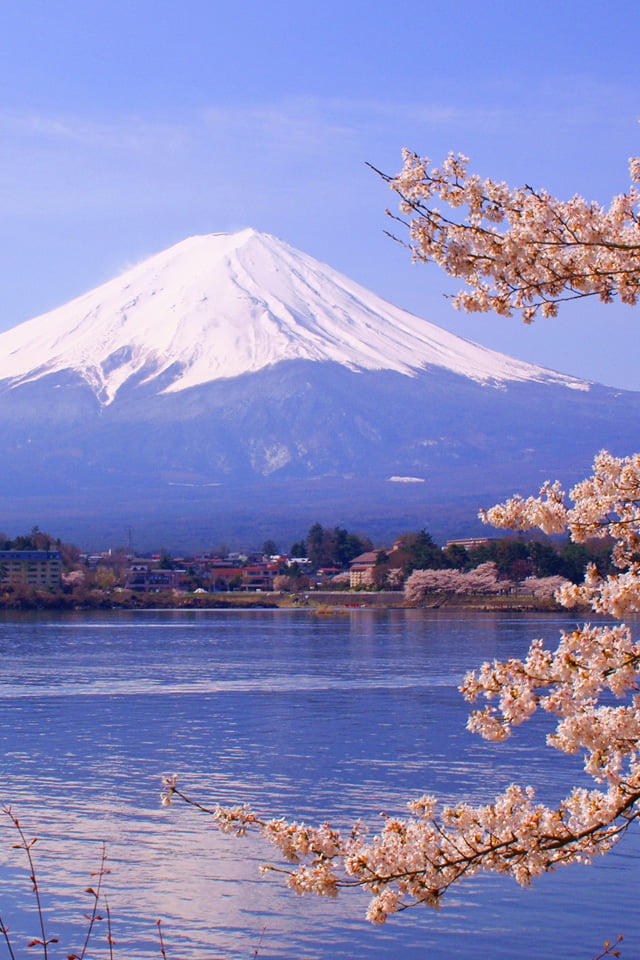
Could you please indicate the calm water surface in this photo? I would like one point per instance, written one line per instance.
(312, 717)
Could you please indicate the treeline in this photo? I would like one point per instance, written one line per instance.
(515, 557)
(36, 540)
(330, 547)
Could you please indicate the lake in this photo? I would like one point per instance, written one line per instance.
(316, 717)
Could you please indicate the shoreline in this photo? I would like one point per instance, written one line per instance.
(317, 602)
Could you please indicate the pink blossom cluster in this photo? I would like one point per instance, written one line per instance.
(341, 579)
(566, 682)
(606, 504)
(73, 578)
(391, 577)
(395, 577)
(544, 587)
(519, 249)
(416, 859)
(547, 511)
(482, 579)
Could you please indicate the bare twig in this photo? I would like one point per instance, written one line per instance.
(26, 845)
(162, 949)
(4, 930)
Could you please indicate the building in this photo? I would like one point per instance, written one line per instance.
(32, 568)
(258, 576)
(360, 567)
(471, 543)
(144, 578)
(224, 576)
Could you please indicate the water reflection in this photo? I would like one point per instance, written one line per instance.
(307, 716)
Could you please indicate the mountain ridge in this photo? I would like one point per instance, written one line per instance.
(221, 305)
(329, 394)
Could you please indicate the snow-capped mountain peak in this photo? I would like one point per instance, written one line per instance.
(222, 305)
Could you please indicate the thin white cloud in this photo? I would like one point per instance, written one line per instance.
(129, 132)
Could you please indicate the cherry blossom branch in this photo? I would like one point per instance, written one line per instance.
(518, 249)
(416, 860)
(604, 504)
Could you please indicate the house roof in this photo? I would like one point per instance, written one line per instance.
(365, 558)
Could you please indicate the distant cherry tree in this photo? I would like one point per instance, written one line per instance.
(543, 587)
(483, 579)
(341, 579)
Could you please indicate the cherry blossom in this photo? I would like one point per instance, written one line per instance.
(519, 249)
(544, 588)
(481, 579)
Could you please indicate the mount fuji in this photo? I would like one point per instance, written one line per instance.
(234, 388)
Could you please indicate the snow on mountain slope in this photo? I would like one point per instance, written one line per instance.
(223, 305)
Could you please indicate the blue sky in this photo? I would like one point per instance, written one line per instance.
(125, 127)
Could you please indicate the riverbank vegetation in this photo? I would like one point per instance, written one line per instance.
(501, 572)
